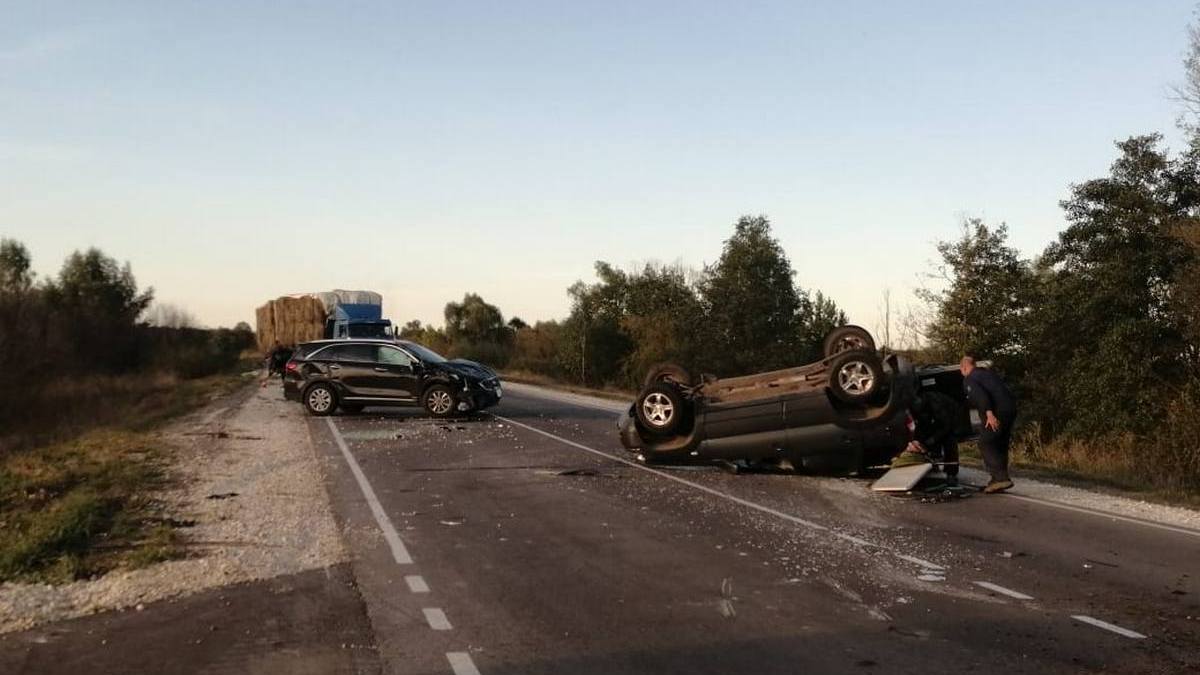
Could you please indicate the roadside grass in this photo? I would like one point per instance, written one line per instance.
(1122, 464)
(82, 504)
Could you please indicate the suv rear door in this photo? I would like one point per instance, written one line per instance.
(352, 366)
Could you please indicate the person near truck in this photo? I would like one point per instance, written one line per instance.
(934, 415)
(277, 358)
(997, 409)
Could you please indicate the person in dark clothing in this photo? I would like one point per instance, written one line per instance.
(997, 408)
(934, 415)
(277, 359)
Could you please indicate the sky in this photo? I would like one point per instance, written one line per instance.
(235, 152)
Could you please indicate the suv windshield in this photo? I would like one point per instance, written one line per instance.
(424, 353)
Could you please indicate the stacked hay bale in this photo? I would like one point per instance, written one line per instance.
(290, 320)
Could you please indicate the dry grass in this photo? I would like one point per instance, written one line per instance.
(61, 410)
(82, 504)
(1164, 467)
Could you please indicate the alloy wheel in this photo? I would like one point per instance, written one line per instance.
(440, 402)
(320, 399)
(658, 409)
(856, 377)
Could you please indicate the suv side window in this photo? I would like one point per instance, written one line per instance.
(349, 353)
(394, 357)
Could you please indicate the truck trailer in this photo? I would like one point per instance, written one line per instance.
(292, 319)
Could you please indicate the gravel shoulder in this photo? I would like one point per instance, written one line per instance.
(249, 496)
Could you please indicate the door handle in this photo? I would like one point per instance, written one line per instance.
(334, 366)
(381, 370)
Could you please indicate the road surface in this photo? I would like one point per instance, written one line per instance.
(528, 541)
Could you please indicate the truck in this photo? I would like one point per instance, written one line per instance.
(303, 317)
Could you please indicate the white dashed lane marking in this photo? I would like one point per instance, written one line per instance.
(1125, 632)
(416, 583)
(436, 618)
(399, 552)
(461, 663)
(1003, 591)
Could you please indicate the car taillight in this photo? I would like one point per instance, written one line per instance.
(911, 425)
(292, 366)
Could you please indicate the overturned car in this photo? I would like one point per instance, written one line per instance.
(844, 412)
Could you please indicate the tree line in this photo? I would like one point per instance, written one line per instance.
(744, 312)
(1100, 331)
(60, 335)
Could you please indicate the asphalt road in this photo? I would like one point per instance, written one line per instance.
(528, 542)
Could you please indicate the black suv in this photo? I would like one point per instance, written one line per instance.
(351, 374)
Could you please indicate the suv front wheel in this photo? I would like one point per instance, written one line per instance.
(439, 401)
(320, 400)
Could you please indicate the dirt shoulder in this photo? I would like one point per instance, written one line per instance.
(245, 499)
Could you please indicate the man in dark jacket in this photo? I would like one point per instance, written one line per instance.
(997, 408)
(934, 417)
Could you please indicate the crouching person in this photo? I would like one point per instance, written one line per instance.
(934, 416)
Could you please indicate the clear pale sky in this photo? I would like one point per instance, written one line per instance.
(235, 153)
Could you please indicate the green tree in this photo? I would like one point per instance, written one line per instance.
(16, 275)
(593, 344)
(474, 321)
(823, 316)
(1106, 343)
(753, 310)
(986, 296)
(96, 284)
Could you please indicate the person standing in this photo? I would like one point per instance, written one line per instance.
(997, 409)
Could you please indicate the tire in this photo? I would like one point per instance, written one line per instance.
(848, 338)
(855, 376)
(667, 372)
(320, 400)
(439, 401)
(352, 408)
(660, 409)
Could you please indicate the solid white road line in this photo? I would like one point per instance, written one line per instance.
(416, 583)
(1125, 632)
(723, 495)
(917, 561)
(1003, 591)
(461, 663)
(1105, 514)
(436, 618)
(399, 552)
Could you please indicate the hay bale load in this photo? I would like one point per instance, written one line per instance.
(293, 319)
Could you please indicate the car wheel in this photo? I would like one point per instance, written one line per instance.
(848, 338)
(660, 408)
(855, 376)
(667, 372)
(439, 401)
(352, 408)
(320, 400)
